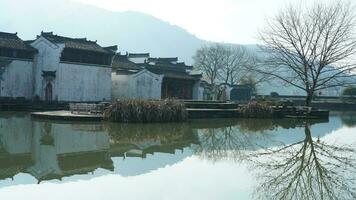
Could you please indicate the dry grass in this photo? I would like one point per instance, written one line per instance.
(144, 111)
(257, 110)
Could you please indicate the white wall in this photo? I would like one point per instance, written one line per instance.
(77, 82)
(228, 92)
(47, 59)
(146, 85)
(73, 82)
(17, 79)
(198, 91)
(143, 85)
(138, 60)
(120, 86)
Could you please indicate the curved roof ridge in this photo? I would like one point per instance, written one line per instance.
(76, 43)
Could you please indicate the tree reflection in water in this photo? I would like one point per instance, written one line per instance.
(231, 139)
(306, 169)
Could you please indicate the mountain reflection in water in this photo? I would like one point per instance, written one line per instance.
(289, 157)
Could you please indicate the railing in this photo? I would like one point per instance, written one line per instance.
(87, 109)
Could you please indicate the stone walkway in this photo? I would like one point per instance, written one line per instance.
(66, 115)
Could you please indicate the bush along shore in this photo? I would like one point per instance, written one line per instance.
(143, 111)
(151, 111)
(257, 110)
(170, 110)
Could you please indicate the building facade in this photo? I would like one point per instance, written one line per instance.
(141, 85)
(73, 70)
(55, 68)
(138, 76)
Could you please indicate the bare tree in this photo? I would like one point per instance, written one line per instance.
(237, 62)
(224, 63)
(311, 49)
(210, 60)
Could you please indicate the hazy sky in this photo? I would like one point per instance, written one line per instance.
(235, 21)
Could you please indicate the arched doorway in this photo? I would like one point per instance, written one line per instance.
(48, 92)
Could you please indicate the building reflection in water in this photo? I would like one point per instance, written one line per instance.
(52, 150)
(49, 150)
(132, 140)
(289, 157)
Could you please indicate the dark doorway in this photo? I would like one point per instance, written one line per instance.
(48, 92)
(177, 88)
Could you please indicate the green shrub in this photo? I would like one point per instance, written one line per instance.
(144, 111)
(274, 95)
(349, 91)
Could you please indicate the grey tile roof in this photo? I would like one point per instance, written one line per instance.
(122, 62)
(171, 72)
(12, 41)
(138, 55)
(169, 67)
(76, 43)
(163, 60)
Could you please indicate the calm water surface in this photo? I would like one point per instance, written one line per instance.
(205, 159)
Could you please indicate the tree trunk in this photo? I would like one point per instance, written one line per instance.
(309, 99)
(307, 132)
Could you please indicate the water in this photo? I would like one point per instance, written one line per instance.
(204, 159)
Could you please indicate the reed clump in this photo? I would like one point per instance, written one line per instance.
(257, 110)
(145, 111)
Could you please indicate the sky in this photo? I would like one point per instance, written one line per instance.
(233, 21)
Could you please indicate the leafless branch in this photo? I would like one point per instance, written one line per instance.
(311, 48)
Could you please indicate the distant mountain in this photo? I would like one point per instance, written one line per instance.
(131, 31)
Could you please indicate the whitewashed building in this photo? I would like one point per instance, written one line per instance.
(70, 69)
(55, 68)
(16, 67)
(141, 85)
(137, 76)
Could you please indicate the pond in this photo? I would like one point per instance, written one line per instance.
(200, 159)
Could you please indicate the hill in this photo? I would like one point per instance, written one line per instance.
(131, 31)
